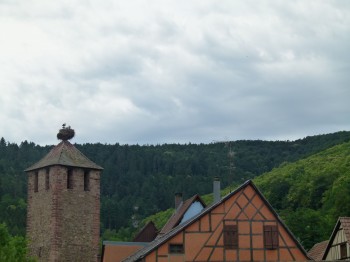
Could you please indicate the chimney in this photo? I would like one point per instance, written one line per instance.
(216, 190)
(178, 200)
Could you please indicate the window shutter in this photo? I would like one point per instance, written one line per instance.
(270, 237)
(267, 237)
(274, 233)
(230, 236)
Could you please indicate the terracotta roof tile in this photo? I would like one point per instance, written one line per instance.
(65, 154)
(317, 251)
(345, 222)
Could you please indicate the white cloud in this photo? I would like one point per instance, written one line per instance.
(165, 71)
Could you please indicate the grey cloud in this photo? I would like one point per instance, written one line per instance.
(174, 72)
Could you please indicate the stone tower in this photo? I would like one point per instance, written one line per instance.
(63, 213)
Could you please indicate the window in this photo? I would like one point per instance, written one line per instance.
(36, 182)
(176, 248)
(343, 251)
(47, 179)
(70, 179)
(230, 236)
(86, 180)
(271, 237)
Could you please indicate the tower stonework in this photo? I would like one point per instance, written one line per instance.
(63, 213)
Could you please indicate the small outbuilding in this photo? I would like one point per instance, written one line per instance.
(338, 247)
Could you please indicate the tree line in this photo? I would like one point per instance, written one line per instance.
(140, 180)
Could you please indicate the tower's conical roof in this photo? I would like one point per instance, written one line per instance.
(65, 154)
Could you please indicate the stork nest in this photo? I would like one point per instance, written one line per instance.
(65, 133)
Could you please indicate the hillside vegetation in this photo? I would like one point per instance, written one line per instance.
(311, 193)
(138, 181)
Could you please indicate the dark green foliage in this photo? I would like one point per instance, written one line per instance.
(148, 176)
(309, 225)
(123, 234)
(13, 211)
(311, 193)
(12, 248)
(159, 219)
(138, 181)
(13, 182)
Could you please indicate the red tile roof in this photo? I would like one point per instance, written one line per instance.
(317, 251)
(345, 222)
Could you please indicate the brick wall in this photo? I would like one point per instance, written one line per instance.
(64, 224)
(38, 216)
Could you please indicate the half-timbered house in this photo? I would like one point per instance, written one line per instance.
(242, 226)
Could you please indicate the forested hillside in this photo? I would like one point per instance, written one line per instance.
(138, 181)
(312, 193)
(309, 194)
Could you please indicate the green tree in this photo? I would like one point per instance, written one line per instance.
(308, 225)
(12, 249)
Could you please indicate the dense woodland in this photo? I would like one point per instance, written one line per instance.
(140, 180)
(312, 193)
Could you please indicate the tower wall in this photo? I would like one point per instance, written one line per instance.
(63, 223)
(39, 208)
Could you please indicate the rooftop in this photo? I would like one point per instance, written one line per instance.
(64, 154)
(317, 251)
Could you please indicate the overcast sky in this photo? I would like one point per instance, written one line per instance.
(160, 71)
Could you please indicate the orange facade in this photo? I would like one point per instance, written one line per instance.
(117, 251)
(249, 214)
